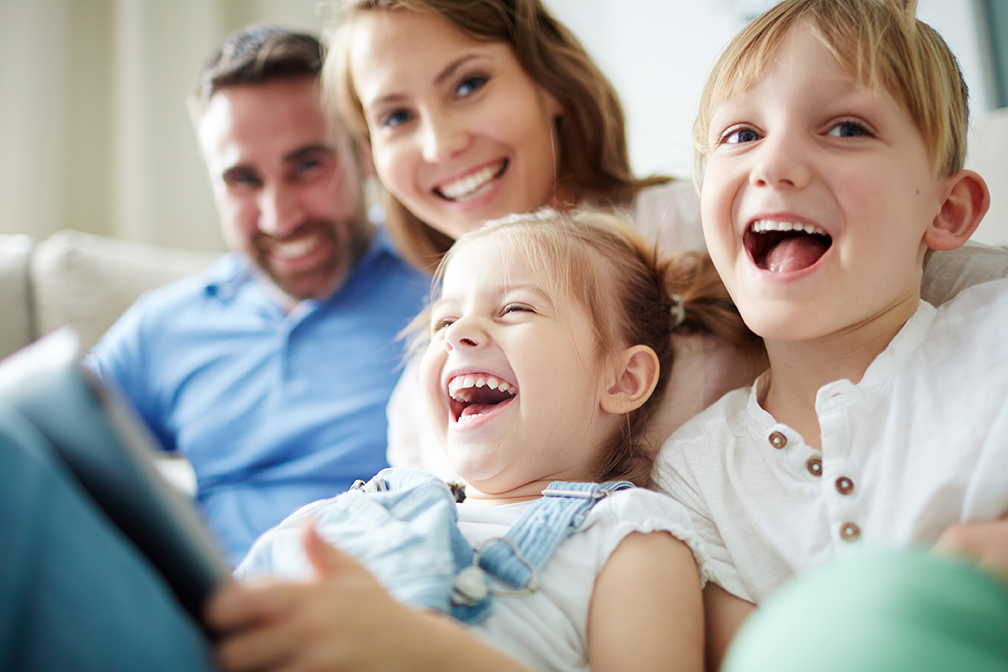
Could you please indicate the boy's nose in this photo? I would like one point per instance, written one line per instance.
(780, 163)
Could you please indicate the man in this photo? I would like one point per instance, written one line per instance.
(270, 371)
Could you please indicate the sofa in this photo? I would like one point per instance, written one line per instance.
(78, 279)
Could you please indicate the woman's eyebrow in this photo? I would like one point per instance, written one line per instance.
(452, 67)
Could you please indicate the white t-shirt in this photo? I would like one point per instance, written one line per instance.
(919, 444)
(547, 630)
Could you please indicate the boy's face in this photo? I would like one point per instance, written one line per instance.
(509, 381)
(816, 198)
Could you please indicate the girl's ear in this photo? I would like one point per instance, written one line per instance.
(635, 380)
(965, 205)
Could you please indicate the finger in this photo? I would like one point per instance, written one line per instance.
(325, 558)
(239, 606)
(259, 648)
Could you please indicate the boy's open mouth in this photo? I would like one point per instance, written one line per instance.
(475, 393)
(781, 247)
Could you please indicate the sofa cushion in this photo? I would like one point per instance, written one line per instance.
(87, 281)
(17, 326)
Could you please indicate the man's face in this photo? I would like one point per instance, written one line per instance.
(288, 191)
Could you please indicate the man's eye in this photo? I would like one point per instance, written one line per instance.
(242, 180)
(470, 85)
(849, 129)
(738, 136)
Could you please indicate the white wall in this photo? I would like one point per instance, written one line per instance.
(658, 53)
(94, 134)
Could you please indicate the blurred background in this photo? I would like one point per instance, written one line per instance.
(95, 136)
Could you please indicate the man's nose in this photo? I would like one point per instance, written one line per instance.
(279, 210)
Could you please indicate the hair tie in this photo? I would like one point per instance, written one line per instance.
(677, 309)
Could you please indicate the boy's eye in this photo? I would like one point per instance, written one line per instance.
(739, 135)
(395, 118)
(470, 85)
(849, 129)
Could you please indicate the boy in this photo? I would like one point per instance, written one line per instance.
(834, 138)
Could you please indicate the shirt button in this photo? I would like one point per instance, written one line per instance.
(850, 531)
(844, 485)
(778, 440)
(814, 466)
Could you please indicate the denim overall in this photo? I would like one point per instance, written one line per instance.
(403, 525)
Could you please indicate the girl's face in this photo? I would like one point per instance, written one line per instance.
(509, 378)
(459, 132)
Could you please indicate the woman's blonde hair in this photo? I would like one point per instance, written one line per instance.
(593, 164)
(630, 295)
(879, 42)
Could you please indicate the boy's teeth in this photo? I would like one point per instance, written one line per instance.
(469, 184)
(764, 225)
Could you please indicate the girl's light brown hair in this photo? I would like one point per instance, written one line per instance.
(592, 159)
(879, 42)
(602, 263)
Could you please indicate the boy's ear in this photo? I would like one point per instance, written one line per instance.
(967, 202)
(635, 380)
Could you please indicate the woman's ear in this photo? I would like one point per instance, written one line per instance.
(635, 378)
(965, 205)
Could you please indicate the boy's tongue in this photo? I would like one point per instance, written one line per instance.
(794, 254)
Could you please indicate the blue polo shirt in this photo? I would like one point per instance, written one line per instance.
(272, 409)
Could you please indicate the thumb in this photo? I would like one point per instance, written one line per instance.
(324, 558)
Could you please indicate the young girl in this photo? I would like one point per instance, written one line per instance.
(477, 110)
(549, 351)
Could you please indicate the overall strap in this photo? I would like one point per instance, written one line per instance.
(516, 558)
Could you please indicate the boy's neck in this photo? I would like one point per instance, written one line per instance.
(798, 369)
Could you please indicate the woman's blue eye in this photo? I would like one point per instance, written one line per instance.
(849, 129)
(470, 85)
(741, 135)
(395, 118)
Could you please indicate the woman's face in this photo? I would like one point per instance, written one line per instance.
(459, 132)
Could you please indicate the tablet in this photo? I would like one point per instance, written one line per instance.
(108, 448)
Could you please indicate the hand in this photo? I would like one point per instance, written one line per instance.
(985, 543)
(343, 620)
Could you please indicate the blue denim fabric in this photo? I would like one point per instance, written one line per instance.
(74, 593)
(545, 525)
(403, 525)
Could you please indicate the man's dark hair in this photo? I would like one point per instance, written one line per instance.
(254, 55)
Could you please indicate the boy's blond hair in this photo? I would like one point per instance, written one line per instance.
(880, 42)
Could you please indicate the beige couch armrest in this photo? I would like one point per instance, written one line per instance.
(87, 281)
(17, 322)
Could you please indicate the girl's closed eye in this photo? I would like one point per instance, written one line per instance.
(517, 308)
